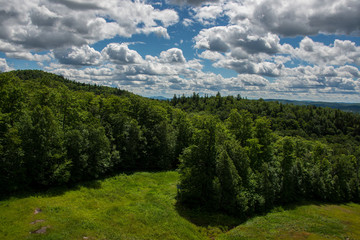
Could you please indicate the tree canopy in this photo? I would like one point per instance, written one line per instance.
(235, 155)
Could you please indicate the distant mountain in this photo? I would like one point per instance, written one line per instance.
(347, 107)
(159, 98)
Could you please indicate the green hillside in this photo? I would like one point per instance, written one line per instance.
(310, 221)
(143, 206)
(234, 159)
(137, 206)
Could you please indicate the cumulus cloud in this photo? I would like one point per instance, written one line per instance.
(247, 51)
(210, 55)
(191, 2)
(158, 31)
(78, 5)
(50, 24)
(121, 54)
(126, 68)
(4, 66)
(208, 14)
(242, 38)
(297, 17)
(252, 80)
(187, 22)
(249, 67)
(245, 40)
(126, 64)
(340, 53)
(318, 80)
(240, 49)
(78, 56)
(29, 56)
(173, 55)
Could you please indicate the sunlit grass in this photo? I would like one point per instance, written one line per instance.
(138, 206)
(309, 221)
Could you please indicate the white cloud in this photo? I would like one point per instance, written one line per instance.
(240, 49)
(82, 56)
(121, 54)
(127, 69)
(29, 56)
(208, 14)
(247, 52)
(158, 31)
(191, 2)
(4, 66)
(225, 38)
(60, 32)
(298, 17)
(210, 55)
(173, 55)
(49, 24)
(187, 22)
(263, 68)
(340, 53)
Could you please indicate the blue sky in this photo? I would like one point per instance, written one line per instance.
(301, 49)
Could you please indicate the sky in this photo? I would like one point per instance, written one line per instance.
(271, 49)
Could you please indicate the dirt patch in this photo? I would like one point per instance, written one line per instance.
(40, 231)
(37, 210)
(37, 221)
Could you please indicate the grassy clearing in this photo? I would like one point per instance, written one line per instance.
(138, 206)
(143, 206)
(309, 221)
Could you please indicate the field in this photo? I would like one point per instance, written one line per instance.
(143, 206)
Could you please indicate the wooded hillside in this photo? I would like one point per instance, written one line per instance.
(235, 155)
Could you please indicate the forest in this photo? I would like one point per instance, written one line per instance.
(234, 155)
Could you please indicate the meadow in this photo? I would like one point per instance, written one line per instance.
(143, 206)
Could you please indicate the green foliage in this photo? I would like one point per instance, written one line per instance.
(229, 181)
(43, 147)
(257, 169)
(240, 124)
(55, 131)
(198, 164)
(235, 155)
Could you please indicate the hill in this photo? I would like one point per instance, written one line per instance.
(348, 107)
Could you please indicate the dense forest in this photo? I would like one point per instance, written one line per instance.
(235, 155)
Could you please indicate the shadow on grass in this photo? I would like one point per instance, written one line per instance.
(209, 219)
(206, 218)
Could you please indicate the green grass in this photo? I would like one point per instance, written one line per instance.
(143, 206)
(309, 221)
(138, 206)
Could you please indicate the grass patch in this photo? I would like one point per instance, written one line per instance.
(143, 206)
(308, 221)
(137, 206)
